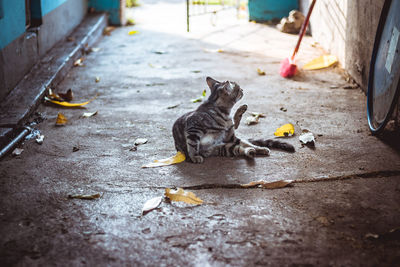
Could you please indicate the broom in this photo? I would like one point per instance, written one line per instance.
(288, 66)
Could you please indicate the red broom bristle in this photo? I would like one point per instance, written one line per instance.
(288, 68)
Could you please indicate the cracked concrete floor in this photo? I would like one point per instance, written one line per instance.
(343, 222)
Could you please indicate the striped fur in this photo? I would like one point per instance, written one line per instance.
(209, 130)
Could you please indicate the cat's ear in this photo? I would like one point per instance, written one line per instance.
(211, 83)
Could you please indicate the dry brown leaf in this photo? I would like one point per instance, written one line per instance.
(107, 31)
(151, 204)
(181, 195)
(79, 62)
(61, 119)
(68, 96)
(86, 197)
(268, 185)
(52, 95)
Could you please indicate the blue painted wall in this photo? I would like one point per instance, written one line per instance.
(265, 10)
(12, 24)
(50, 5)
(112, 7)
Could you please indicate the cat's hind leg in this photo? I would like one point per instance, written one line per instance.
(244, 148)
(193, 145)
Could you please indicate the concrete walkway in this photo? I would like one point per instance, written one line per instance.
(352, 219)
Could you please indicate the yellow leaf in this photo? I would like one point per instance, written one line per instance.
(61, 119)
(321, 62)
(268, 185)
(178, 158)
(260, 72)
(181, 195)
(133, 32)
(285, 130)
(67, 104)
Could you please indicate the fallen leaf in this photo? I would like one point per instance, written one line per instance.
(89, 114)
(181, 195)
(178, 158)
(39, 139)
(79, 62)
(53, 95)
(371, 236)
(68, 96)
(307, 138)
(133, 32)
(151, 204)
(130, 21)
(107, 31)
(94, 49)
(257, 114)
(159, 52)
(140, 141)
(321, 62)
(199, 99)
(67, 104)
(283, 109)
(260, 72)
(86, 197)
(285, 130)
(17, 152)
(97, 79)
(252, 120)
(268, 185)
(61, 119)
(174, 106)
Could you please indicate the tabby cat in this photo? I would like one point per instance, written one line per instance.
(209, 130)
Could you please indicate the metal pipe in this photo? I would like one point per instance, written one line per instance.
(26, 130)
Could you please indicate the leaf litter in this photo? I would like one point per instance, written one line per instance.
(181, 195)
(268, 185)
(178, 158)
(89, 114)
(151, 204)
(85, 197)
(285, 130)
(200, 98)
(307, 138)
(61, 119)
(254, 118)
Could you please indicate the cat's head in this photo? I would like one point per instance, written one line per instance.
(224, 94)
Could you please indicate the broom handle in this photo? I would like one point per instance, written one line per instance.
(303, 29)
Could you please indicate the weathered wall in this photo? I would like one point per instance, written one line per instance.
(346, 28)
(362, 25)
(21, 48)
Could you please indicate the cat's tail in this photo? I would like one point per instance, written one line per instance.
(272, 143)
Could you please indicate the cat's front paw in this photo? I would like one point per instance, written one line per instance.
(197, 159)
